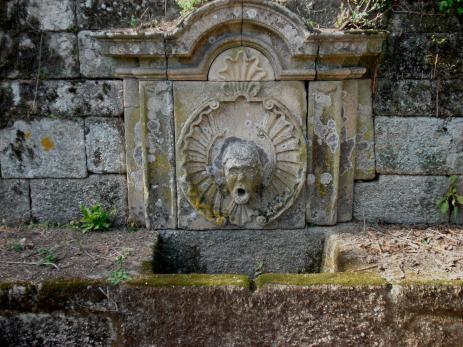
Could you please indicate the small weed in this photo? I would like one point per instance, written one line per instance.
(362, 14)
(95, 218)
(16, 246)
(48, 256)
(258, 268)
(451, 201)
(133, 22)
(188, 5)
(118, 276)
(451, 6)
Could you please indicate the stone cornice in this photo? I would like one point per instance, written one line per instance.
(188, 48)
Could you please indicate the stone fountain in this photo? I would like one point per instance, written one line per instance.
(242, 121)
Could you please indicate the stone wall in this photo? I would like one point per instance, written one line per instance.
(221, 310)
(61, 114)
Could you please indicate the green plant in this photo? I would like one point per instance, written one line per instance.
(133, 22)
(188, 5)
(16, 246)
(450, 202)
(94, 218)
(362, 14)
(118, 276)
(451, 6)
(48, 256)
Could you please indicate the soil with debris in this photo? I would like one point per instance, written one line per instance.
(35, 253)
(401, 252)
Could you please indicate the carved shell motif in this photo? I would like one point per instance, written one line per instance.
(243, 159)
(242, 68)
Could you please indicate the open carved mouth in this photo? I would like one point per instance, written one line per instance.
(240, 195)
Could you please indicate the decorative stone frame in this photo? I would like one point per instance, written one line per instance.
(338, 126)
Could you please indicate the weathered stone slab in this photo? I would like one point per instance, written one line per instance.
(134, 158)
(400, 199)
(8, 54)
(92, 63)
(417, 146)
(47, 14)
(350, 93)
(188, 97)
(29, 329)
(43, 148)
(14, 195)
(459, 218)
(32, 54)
(158, 152)
(423, 56)
(242, 251)
(428, 21)
(103, 14)
(104, 143)
(8, 14)
(405, 98)
(450, 97)
(324, 117)
(64, 98)
(59, 200)
(47, 55)
(365, 145)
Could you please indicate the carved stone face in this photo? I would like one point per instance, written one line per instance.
(243, 170)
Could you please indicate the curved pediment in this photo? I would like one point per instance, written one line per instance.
(187, 50)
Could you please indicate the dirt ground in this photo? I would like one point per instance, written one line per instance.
(34, 253)
(402, 252)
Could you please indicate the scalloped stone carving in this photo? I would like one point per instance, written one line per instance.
(241, 64)
(243, 158)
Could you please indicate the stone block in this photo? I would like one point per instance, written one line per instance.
(92, 63)
(459, 218)
(59, 200)
(49, 15)
(64, 98)
(103, 14)
(450, 97)
(8, 54)
(242, 251)
(365, 145)
(423, 56)
(8, 15)
(35, 329)
(400, 199)
(32, 54)
(43, 148)
(14, 195)
(419, 146)
(426, 22)
(405, 98)
(104, 143)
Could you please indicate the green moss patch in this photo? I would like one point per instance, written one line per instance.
(425, 282)
(191, 280)
(348, 279)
